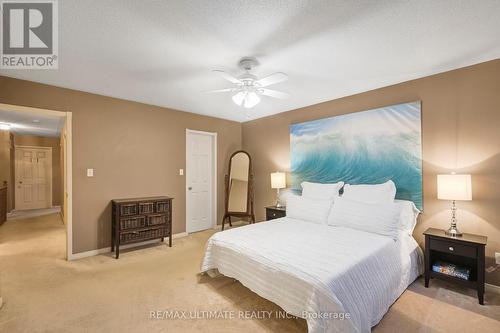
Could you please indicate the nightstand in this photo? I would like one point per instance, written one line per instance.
(465, 252)
(273, 212)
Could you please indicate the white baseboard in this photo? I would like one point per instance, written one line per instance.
(103, 250)
(29, 213)
(491, 288)
(180, 235)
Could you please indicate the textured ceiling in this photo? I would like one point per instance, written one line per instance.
(162, 52)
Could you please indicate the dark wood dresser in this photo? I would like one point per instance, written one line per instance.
(466, 251)
(140, 219)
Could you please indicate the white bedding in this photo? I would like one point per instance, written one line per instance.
(318, 269)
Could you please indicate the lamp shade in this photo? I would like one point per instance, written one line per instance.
(454, 187)
(278, 180)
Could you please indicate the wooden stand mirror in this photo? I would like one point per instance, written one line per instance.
(239, 188)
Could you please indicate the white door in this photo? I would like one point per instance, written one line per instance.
(33, 173)
(200, 166)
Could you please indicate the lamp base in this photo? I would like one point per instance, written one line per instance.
(453, 232)
(278, 204)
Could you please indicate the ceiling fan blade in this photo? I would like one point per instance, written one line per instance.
(273, 93)
(272, 79)
(227, 76)
(220, 90)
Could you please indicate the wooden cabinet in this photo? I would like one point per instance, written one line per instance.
(466, 251)
(140, 219)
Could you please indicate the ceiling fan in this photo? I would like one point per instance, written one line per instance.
(248, 88)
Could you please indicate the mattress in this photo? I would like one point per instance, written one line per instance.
(338, 279)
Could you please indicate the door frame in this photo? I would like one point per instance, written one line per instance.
(49, 149)
(213, 136)
(68, 164)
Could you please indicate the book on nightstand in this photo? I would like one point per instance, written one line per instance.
(451, 270)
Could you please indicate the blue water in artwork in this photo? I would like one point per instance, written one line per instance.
(367, 147)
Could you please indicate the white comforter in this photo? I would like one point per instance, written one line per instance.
(318, 272)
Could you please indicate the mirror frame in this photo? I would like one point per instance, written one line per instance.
(250, 204)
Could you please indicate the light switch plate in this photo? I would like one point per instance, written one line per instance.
(181, 172)
(497, 258)
(90, 172)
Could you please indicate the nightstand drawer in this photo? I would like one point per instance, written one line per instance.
(453, 248)
(274, 213)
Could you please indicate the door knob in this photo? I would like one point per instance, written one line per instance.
(190, 188)
(20, 182)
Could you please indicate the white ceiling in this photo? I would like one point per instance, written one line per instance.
(24, 123)
(162, 52)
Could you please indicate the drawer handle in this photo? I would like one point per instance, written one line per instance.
(451, 248)
(274, 214)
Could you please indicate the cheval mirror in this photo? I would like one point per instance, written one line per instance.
(239, 188)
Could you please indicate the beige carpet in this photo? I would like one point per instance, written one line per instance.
(44, 293)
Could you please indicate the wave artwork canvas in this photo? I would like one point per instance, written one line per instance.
(368, 147)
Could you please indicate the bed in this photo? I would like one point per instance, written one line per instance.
(337, 278)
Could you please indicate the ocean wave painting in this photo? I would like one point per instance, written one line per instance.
(368, 147)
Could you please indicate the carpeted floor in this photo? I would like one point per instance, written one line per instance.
(43, 292)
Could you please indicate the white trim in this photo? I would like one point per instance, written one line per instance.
(19, 108)
(214, 176)
(29, 213)
(491, 288)
(103, 250)
(69, 163)
(34, 147)
(180, 235)
(68, 156)
(90, 253)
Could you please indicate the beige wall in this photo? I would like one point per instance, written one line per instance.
(461, 131)
(135, 149)
(54, 143)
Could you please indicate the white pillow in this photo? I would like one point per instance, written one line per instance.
(382, 219)
(408, 215)
(378, 193)
(308, 209)
(321, 191)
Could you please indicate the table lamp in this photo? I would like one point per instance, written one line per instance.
(278, 181)
(454, 187)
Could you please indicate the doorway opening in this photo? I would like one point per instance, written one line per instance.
(36, 173)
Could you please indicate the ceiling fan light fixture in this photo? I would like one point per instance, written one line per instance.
(248, 88)
(239, 98)
(251, 100)
(246, 99)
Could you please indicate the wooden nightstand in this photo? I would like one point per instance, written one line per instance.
(273, 212)
(466, 251)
